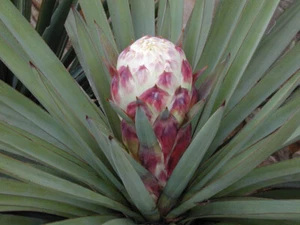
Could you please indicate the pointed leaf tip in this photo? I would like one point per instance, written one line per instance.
(31, 64)
(198, 73)
(111, 69)
(223, 104)
(180, 39)
(139, 102)
(165, 114)
(226, 60)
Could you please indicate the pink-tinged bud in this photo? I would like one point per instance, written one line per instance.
(183, 140)
(142, 75)
(152, 185)
(180, 104)
(156, 99)
(153, 161)
(166, 80)
(165, 129)
(186, 71)
(152, 69)
(131, 109)
(130, 139)
(195, 97)
(114, 88)
(154, 74)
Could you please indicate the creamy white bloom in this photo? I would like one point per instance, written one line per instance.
(157, 72)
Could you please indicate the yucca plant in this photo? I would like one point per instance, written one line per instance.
(168, 142)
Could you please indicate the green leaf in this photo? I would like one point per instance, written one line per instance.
(281, 172)
(9, 38)
(275, 41)
(213, 84)
(283, 193)
(17, 188)
(295, 184)
(19, 220)
(195, 113)
(94, 14)
(294, 137)
(120, 222)
(189, 162)
(5, 74)
(104, 143)
(27, 173)
(47, 154)
(196, 31)
(24, 6)
(60, 209)
(110, 51)
(176, 19)
(144, 129)
(90, 60)
(170, 19)
(96, 158)
(142, 171)
(239, 167)
(163, 18)
(142, 13)
(226, 19)
(54, 31)
(238, 142)
(121, 22)
(91, 220)
(41, 120)
(45, 14)
(249, 209)
(260, 222)
(15, 208)
(101, 136)
(62, 45)
(244, 41)
(133, 183)
(8, 149)
(255, 151)
(276, 76)
(277, 119)
(47, 80)
(99, 29)
(19, 111)
(121, 112)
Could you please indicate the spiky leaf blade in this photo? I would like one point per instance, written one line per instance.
(133, 183)
(121, 23)
(275, 41)
(196, 31)
(245, 39)
(94, 68)
(281, 172)
(142, 13)
(91, 220)
(250, 209)
(25, 172)
(189, 162)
